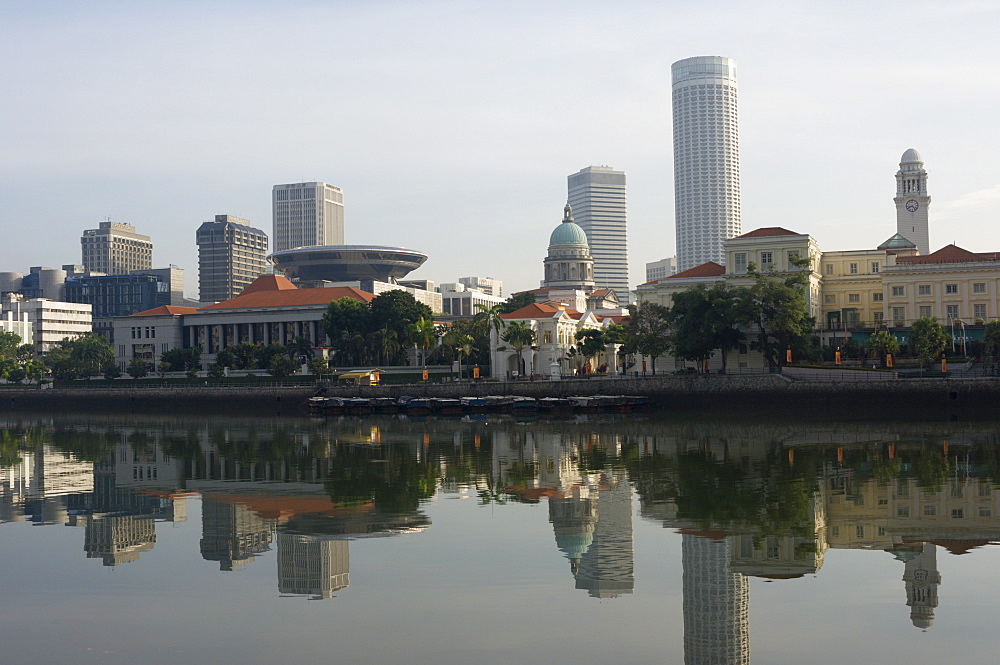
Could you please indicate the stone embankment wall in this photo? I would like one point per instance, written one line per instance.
(758, 396)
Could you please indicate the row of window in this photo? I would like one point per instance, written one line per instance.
(137, 332)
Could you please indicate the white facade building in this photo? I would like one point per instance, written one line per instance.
(912, 200)
(51, 320)
(494, 287)
(306, 214)
(661, 269)
(458, 300)
(597, 197)
(706, 158)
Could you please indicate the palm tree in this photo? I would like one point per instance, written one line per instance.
(424, 335)
(462, 342)
(386, 343)
(489, 318)
(519, 335)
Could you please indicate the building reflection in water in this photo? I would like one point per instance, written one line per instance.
(716, 604)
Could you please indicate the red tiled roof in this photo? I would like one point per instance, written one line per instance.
(950, 254)
(269, 283)
(532, 311)
(290, 298)
(767, 232)
(710, 269)
(599, 293)
(167, 310)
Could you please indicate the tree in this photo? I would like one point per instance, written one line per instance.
(927, 339)
(227, 358)
(991, 337)
(648, 330)
(880, 344)
(517, 301)
(216, 371)
(34, 370)
(16, 375)
(301, 349)
(345, 322)
(396, 311)
(183, 359)
(138, 368)
(244, 354)
(111, 371)
(319, 366)
(775, 305)
(281, 366)
(385, 341)
(706, 318)
(423, 334)
(90, 352)
(518, 335)
(590, 343)
(162, 369)
(9, 343)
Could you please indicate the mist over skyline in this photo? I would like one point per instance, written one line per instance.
(451, 127)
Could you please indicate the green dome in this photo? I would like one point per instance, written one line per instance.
(568, 233)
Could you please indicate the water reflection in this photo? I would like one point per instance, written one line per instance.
(751, 500)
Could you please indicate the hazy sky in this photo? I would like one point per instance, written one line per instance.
(451, 126)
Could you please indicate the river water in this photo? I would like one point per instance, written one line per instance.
(609, 539)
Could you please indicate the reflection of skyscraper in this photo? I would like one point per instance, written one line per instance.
(232, 534)
(119, 539)
(312, 565)
(922, 579)
(606, 568)
(716, 605)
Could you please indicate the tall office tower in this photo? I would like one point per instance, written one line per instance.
(912, 200)
(116, 249)
(307, 213)
(231, 254)
(716, 605)
(597, 196)
(706, 159)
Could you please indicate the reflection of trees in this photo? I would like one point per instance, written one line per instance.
(389, 477)
(931, 468)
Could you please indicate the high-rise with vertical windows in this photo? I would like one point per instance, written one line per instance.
(306, 214)
(116, 249)
(231, 254)
(706, 158)
(597, 196)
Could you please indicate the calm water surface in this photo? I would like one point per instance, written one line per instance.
(615, 539)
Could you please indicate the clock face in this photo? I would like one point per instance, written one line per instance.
(912, 205)
(920, 575)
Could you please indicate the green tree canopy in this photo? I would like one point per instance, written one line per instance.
(776, 306)
(706, 318)
(880, 344)
(991, 337)
(648, 330)
(517, 301)
(927, 339)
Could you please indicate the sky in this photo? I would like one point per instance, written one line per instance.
(451, 126)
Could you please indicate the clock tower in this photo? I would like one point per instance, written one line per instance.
(912, 200)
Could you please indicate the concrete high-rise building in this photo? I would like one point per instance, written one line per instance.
(231, 254)
(116, 249)
(661, 269)
(306, 214)
(488, 285)
(912, 200)
(706, 158)
(597, 196)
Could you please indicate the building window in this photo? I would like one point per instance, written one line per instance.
(924, 310)
(854, 297)
(878, 317)
(741, 262)
(830, 299)
(979, 287)
(547, 337)
(854, 268)
(979, 311)
(930, 511)
(898, 291)
(951, 288)
(859, 531)
(875, 266)
(877, 297)
(951, 311)
(957, 513)
(985, 511)
(766, 259)
(899, 315)
(924, 290)
(829, 269)
(902, 512)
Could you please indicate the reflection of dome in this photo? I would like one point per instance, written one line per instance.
(568, 232)
(347, 263)
(911, 156)
(574, 545)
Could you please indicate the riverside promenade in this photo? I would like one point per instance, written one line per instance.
(761, 395)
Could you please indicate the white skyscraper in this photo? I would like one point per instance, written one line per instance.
(597, 196)
(706, 158)
(307, 213)
(912, 200)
